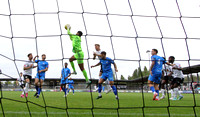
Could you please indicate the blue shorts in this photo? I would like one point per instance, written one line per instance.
(108, 76)
(155, 78)
(40, 76)
(71, 87)
(65, 81)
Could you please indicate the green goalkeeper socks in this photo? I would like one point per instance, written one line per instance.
(72, 64)
(85, 75)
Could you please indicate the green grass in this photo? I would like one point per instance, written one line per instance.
(130, 105)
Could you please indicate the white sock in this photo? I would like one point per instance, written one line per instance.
(179, 93)
(26, 87)
(172, 93)
(163, 92)
(175, 92)
(116, 96)
(99, 94)
(23, 90)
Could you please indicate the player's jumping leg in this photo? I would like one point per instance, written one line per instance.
(114, 89)
(156, 86)
(36, 86)
(163, 89)
(88, 82)
(40, 88)
(100, 88)
(151, 85)
(109, 88)
(72, 64)
(63, 86)
(23, 90)
(27, 86)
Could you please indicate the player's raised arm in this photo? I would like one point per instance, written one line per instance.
(96, 65)
(35, 58)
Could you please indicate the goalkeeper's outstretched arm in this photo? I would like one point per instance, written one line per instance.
(69, 33)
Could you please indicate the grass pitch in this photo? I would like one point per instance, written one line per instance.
(80, 104)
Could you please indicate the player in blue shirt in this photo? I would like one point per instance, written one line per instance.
(65, 74)
(70, 86)
(156, 73)
(40, 76)
(107, 73)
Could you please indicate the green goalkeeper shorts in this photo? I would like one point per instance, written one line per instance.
(79, 57)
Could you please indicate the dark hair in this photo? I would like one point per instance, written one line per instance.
(43, 55)
(155, 50)
(29, 54)
(66, 63)
(172, 57)
(97, 45)
(103, 52)
(80, 33)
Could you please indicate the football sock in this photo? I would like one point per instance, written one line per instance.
(114, 89)
(172, 93)
(36, 87)
(99, 89)
(26, 87)
(176, 91)
(39, 90)
(163, 92)
(152, 89)
(85, 75)
(157, 91)
(73, 67)
(179, 93)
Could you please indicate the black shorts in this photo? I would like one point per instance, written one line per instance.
(101, 69)
(177, 80)
(167, 78)
(27, 77)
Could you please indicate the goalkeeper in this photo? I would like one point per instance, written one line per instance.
(78, 54)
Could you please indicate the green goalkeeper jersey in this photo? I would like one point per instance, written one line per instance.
(76, 42)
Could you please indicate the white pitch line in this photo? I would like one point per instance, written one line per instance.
(97, 113)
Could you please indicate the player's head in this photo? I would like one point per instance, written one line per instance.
(154, 52)
(97, 47)
(70, 78)
(79, 33)
(43, 56)
(103, 54)
(66, 64)
(30, 56)
(171, 59)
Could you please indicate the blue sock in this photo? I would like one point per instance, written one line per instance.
(114, 89)
(39, 90)
(100, 88)
(36, 87)
(73, 91)
(64, 90)
(68, 90)
(152, 88)
(157, 91)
